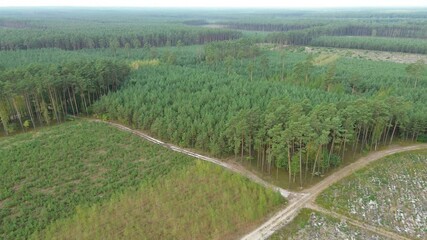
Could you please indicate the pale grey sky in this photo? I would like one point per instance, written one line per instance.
(220, 3)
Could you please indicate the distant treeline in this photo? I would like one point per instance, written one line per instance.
(271, 27)
(352, 29)
(394, 36)
(401, 38)
(108, 36)
(374, 43)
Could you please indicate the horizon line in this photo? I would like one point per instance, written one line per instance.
(215, 7)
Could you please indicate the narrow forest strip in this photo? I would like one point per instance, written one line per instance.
(285, 193)
(286, 215)
(377, 230)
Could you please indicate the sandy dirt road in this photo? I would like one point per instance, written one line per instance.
(297, 201)
(232, 167)
(286, 215)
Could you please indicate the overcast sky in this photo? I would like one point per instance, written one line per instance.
(220, 3)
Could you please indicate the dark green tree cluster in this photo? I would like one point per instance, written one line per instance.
(303, 36)
(399, 30)
(307, 138)
(304, 130)
(8, 23)
(416, 71)
(230, 50)
(196, 22)
(38, 94)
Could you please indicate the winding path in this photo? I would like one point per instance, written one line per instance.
(297, 201)
(286, 215)
(235, 168)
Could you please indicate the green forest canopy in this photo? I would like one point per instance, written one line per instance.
(229, 94)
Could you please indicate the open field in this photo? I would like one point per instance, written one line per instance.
(46, 174)
(45, 179)
(390, 194)
(212, 204)
(395, 57)
(310, 224)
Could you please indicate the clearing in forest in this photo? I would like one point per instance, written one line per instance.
(77, 168)
(397, 57)
(310, 224)
(389, 194)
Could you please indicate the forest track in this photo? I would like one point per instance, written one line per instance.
(286, 215)
(362, 225)
(232, 167)
(297, 201)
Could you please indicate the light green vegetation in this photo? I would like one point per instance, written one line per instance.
(49, 173)
(46, 174)
(202, 201)
(310, 224)
(390, 193)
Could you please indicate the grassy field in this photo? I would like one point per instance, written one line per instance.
(65, 170)
(200, 202)
(390, 193)
(310, 224)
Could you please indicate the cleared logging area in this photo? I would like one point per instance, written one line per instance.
(390, 194)
(310, 224)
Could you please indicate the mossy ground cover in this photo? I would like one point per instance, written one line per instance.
(390, 193)
(47, 175)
